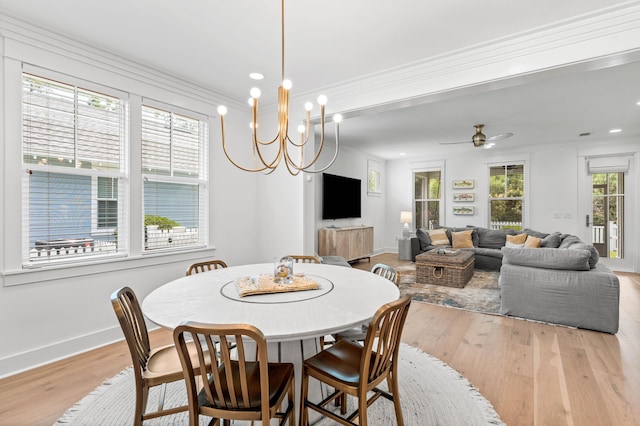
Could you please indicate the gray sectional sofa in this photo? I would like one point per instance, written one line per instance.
(562, 282)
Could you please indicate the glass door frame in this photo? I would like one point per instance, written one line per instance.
(585, 207)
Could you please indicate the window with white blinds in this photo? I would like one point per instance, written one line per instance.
(174, 170)
(73, 153)
(506, 196)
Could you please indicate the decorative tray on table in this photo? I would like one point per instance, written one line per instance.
(265, 284)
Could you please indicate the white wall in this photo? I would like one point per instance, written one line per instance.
(52, 313)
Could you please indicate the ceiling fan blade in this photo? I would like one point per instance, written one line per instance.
(500, 136)
(453, 143)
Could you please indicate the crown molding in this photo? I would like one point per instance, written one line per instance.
(24, 42)
(601, 34)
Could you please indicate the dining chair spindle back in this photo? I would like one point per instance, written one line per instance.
(305, 258)
(239, 382)
(352, 369)
(205, 266)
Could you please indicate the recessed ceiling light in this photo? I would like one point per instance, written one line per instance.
(615, 130)
(638, 103)
(256, 76)
(402, 153)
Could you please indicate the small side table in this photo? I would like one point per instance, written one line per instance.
(404, 249)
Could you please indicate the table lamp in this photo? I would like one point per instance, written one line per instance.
(406, 219)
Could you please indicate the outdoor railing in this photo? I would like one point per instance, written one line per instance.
(506, 225)
(156, 238)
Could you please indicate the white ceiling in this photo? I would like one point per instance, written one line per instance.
(216, 44)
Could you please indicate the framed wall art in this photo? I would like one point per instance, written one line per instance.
(463, 184)
(463, 210)
(464, 197)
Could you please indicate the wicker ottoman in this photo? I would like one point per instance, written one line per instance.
(450, 269)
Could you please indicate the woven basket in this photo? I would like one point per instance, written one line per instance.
(448, 270)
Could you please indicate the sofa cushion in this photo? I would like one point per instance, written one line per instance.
(551, 240)
(512, 245)
(462, 239)
(569, 240)
(595, 256)
(493, 238)
(488, 252)
(423, 237)
(534, 233)
(548, 258)
(439, 237)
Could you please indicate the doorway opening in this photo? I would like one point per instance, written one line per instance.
(608, 214)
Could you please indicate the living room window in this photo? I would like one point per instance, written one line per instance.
(427, 198)
(506, 196)
(73, 141)
(174, 172)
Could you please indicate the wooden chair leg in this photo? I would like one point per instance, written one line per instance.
(393, 385)
(142, 394)
(304, 389)
(362, 409)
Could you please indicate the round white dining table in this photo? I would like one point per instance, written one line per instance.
(292, 322)
(346, 297)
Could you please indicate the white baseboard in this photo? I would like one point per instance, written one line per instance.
(43, 355)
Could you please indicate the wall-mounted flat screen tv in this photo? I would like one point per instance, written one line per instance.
(340, 197)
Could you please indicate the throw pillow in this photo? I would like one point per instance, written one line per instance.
(517, 239)
(462, 239)
(423, 238)
(551, 240)
(439, 237)
(493, 238)
(532, 242)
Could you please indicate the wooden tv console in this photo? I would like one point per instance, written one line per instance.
(353, 243)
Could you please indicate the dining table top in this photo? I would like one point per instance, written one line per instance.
(345, 297)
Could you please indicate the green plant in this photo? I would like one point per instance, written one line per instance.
(161, 221)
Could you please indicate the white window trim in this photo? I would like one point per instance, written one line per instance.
(527, 192)
(432, 166)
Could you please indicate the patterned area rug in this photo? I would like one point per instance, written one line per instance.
(480, 294)
(431, 393)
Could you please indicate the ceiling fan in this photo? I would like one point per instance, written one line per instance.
(479, 139)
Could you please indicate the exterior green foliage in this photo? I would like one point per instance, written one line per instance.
(506, 192)
(161, 221)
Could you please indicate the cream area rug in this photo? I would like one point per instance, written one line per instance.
(431, 393)
(480, 294)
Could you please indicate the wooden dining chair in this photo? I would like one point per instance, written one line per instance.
(359, 333)
(239, 383)
(355, 370)
(152, 367)
(305, 258)
(205, 266)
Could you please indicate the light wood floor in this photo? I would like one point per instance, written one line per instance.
(533, 374)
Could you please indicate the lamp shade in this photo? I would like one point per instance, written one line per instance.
(405, 217)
